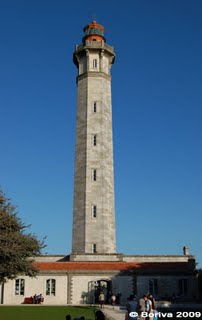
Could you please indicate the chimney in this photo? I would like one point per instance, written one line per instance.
(186, 251)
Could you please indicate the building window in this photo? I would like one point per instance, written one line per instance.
(94, 248)
(95, 107)
(153, 286)
(94, 211)
(94, 140)
(94, 63)
(182, 287)
(19, 287)
(94, 175)
(50, 287)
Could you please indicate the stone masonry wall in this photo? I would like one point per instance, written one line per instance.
(36, 286)
(94, 175)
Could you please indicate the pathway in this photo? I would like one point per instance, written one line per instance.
(114, 314)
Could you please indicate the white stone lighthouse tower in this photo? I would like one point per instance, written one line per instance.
(94, 220)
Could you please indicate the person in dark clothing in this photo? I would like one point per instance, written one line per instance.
(99, 315)
(68, 317)
(151, 298)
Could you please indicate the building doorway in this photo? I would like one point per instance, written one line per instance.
(98, 286)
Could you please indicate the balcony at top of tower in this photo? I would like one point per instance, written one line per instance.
(93, 32)
(93, 48)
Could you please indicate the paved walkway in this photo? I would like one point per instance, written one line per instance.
(114, 314)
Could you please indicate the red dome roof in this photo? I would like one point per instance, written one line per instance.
(93, 32)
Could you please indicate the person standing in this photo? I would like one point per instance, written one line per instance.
(102, 299)
(131, 307)
(113, 300)
(155, 312)
(148, 305)
(142, 306)
(151, 304)
(151, 298)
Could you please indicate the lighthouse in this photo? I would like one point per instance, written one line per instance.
(93, 213)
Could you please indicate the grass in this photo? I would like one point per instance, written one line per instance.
(45, 312)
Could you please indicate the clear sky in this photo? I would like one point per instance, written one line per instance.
(157, 118)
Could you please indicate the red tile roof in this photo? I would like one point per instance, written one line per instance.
(92, 265)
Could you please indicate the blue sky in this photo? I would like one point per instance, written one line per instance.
(157, 116)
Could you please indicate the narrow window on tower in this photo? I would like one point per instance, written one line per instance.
(94, 211)
(94, 140)
(94, 248)
(94, 175)
(95, 107)
(94, 63)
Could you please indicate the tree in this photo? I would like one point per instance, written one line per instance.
(17, 248)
